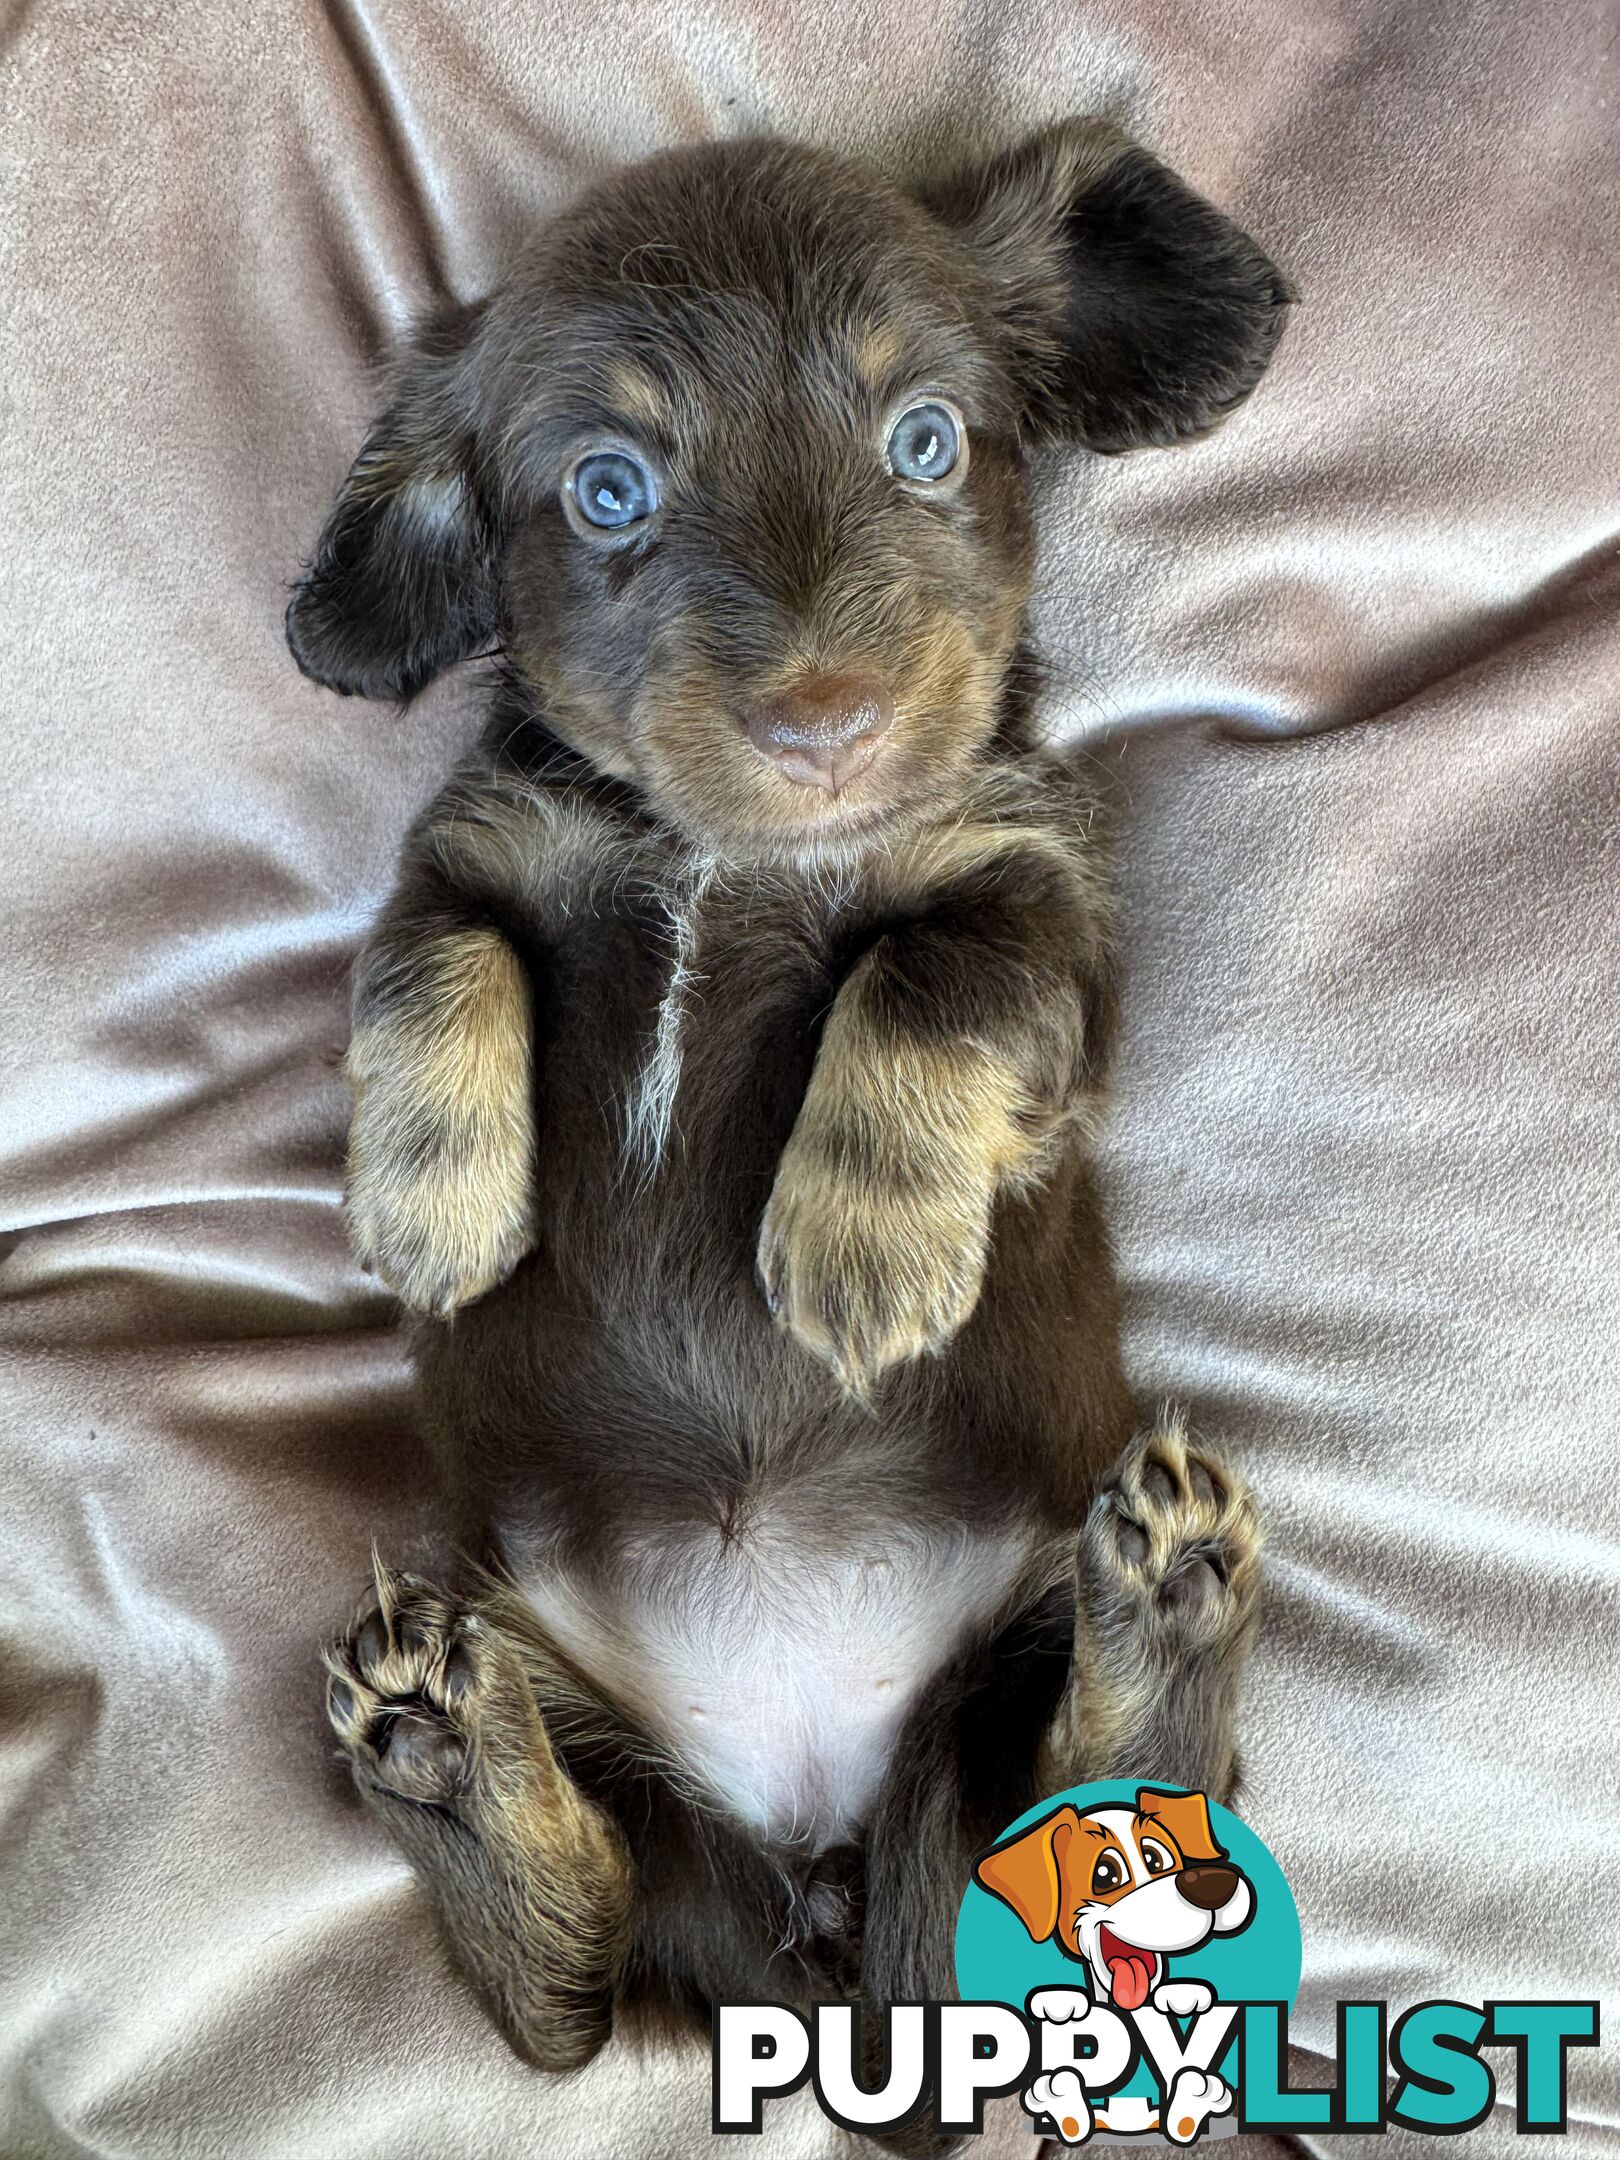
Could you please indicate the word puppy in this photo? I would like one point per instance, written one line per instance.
(724, 1065)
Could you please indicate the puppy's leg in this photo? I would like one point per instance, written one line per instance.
(963, 1767)
(1167, 1610)
(441, 1147)
(955, 1050)
(531, 1879)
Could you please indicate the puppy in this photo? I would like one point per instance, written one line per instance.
(1120, 1889)
(724, 1065)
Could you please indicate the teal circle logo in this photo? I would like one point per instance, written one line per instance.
(1142, 1899)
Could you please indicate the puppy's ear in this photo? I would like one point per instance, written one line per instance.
(1135, 313)
(1186, 1817)
(1026, 1872)
(402, 581)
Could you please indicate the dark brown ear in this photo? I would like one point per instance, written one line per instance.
(1135, 312)
(402, 581)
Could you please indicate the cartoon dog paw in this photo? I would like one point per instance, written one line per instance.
(1194, 2097)
(1061, 2095)
(1058, 2005)
(1183, 1998)
(1174, 1534)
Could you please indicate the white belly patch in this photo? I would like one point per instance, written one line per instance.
(776, 1673)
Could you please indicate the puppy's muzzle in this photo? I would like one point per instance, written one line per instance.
(1209, 1888)
(825, 731)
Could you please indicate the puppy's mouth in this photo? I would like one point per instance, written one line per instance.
(1131, 1971)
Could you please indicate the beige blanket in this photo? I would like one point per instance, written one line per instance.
(1356, 665)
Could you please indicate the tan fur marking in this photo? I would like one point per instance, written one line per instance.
(543, 1887)
(1182, 1500)
(874, 1243)
(441, 1148)
(876, 348)
(633, 392)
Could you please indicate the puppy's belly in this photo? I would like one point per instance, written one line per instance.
(778, 1671)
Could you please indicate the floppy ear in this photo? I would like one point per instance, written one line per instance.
(1186, 1817)
(1135, 312)
(402, 580)
(1026, 1872)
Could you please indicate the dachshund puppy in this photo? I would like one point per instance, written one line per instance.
(724, 1065)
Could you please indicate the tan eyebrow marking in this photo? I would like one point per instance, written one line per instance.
(876, 348)
(636, 394)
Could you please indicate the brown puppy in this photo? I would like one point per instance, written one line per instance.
(724, 1064)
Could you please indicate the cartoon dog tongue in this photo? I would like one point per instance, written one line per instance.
(1130, 1971)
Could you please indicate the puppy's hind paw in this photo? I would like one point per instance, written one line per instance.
(1173, 1542)
(429, 1703)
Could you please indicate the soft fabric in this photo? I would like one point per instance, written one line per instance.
(1351, 669)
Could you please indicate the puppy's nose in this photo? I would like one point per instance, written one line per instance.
(1207, 1887)
(825, 730)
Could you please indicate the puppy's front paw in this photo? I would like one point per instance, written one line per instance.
(439, 1200)
(865, 1273)
(441, 1147)
(1173, 1541)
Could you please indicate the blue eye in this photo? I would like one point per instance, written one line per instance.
(925, 442)
(613, 489)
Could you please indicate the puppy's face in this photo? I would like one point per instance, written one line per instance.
(733, 467)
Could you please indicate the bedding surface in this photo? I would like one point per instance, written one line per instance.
(1349, 671)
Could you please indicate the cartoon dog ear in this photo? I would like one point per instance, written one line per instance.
(1186, 1817)
(1135, 311)
(402, 580)
(1027, 1872)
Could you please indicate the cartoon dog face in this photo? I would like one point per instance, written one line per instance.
(1120, 1888)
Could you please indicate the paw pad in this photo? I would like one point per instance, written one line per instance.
(399, 1687)
(1174, 1535)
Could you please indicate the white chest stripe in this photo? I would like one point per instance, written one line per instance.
(649, 1110)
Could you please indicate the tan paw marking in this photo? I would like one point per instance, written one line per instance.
(427, 1701)
(441, 1146)
(864, 1281)
(874, 1243)
(1175, 1534)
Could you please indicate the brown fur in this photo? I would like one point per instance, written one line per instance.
(440, 1721)
(741, 1124)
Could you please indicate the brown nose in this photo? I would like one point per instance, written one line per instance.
(1207, 1887)
(824, 730)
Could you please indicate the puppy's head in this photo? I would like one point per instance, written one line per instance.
(733, 467)
(1119, 1888)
